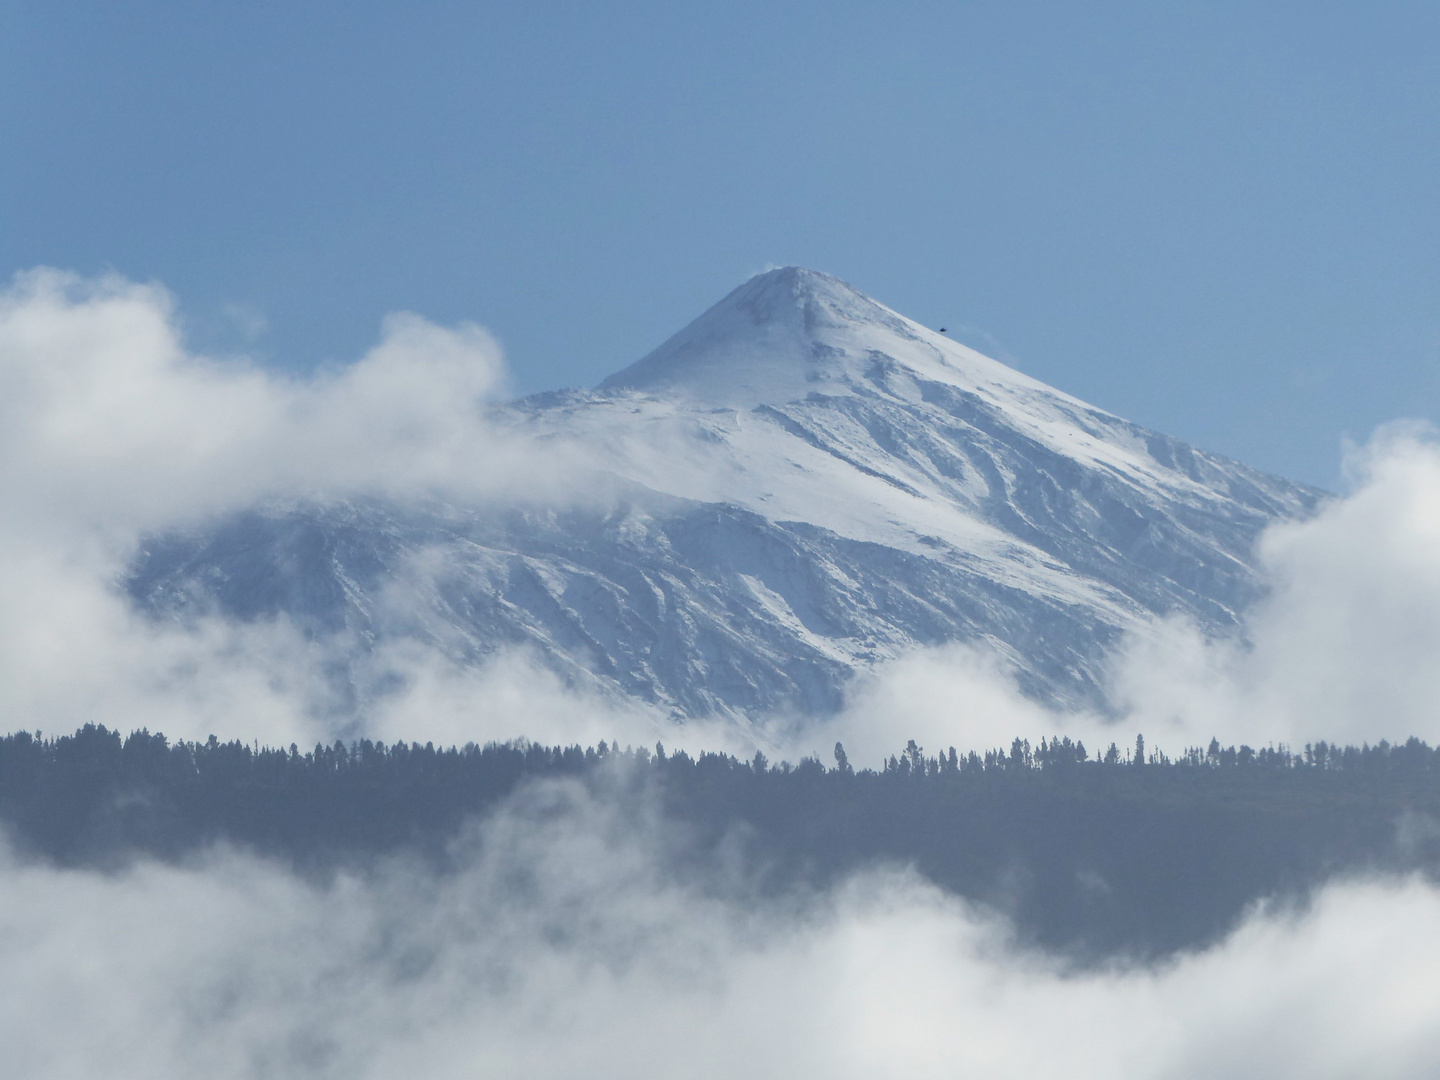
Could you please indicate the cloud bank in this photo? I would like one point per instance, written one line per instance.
(107, 422)
(561, 949)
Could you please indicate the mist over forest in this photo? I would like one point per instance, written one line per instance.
(1127, 855)
(379, 910)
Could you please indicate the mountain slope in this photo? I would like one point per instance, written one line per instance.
(799, 484)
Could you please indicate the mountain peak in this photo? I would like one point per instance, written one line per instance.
(791, 332)
(788, 292)
(778, 336)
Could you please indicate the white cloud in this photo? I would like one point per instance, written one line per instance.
(952, 695)
(512, 694)
(107, 421)
(560, 948)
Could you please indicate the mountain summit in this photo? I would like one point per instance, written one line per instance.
(779, 336)
(791, 332)
(804, 483)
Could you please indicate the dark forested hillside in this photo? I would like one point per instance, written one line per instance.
(1124, 853)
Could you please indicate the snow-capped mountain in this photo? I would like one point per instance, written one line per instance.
(797, 485)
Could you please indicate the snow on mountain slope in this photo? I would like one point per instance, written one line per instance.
(797, 485)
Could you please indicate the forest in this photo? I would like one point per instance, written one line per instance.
(1090, 856)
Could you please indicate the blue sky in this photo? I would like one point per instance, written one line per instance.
(1216, 219)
